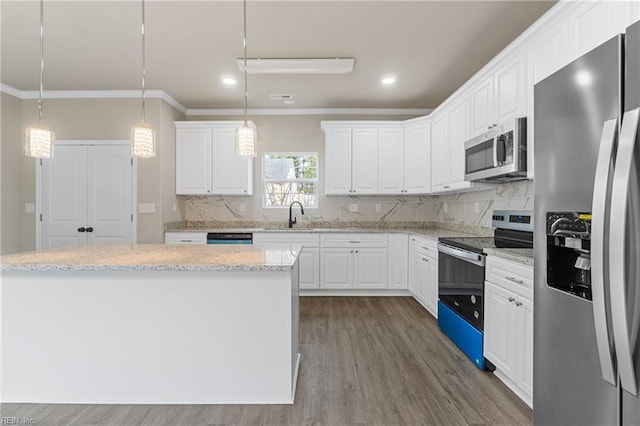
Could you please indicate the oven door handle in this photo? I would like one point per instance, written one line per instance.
(467, 256)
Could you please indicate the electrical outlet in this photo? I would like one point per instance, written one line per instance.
(243, 207)
(476, 207)
(147, 208)
(353, 207)
(378, 207)
(29, 208)
(445, 208)
(175, 207)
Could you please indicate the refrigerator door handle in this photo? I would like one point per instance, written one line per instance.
(617, 251)
(599, 222)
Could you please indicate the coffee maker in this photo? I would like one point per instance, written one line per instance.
(569, 252)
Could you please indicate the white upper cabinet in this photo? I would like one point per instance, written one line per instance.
(458, 135)
(193, 161)
(391, 161)
(590, 25)
(510, 89)
(417, 157)
(482, 114)
(440, 151)
(206, 161)
(377, 157)
(364, 172)
(337, 160)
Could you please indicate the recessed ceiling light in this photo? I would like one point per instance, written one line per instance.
(388, 80)
(228, 80)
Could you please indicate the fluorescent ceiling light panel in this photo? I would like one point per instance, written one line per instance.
(297, 66)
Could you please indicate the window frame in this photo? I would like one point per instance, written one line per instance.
(266, 180)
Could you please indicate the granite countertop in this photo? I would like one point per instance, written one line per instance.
(156, 257)
(520, 255)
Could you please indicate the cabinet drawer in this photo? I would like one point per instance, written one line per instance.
(427, 246)
(185, 238)
(513, 276)
(353, 240)
(305, 239)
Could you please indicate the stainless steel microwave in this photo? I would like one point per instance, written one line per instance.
(499, 155)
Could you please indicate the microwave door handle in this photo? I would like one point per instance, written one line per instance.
(620, 196)
(604, 340)
(495, 152)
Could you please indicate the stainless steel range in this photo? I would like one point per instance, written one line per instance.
(461, 265)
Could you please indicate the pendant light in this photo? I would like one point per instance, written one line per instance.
(144, 137)
(39, 140)
(245, 135)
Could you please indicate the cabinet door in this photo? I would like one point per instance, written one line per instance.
(232, 174)
(458, 135)
(370, 268)
(482, 113)
(501, 344)
(590, 25)
(390, 161)
(412, 278)
(510, 90)
(397, 261)
(365, 161)
(431, 293)
(422, 277)
(337, 268)
(527, 347)
(440, 152)
(193, 161)
(417, 159)
(309, 268)
(337, 161)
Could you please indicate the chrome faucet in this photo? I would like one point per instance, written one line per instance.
(293, 222)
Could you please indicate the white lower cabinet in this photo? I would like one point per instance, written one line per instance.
(185, 238)
(398, 261)
(423, 272)
(309, 259)
(337, 268)
(370, 268)
(353, 261)
(508, 324)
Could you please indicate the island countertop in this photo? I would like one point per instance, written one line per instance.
(155, 257)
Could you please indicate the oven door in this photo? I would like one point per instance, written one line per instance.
(461, 282)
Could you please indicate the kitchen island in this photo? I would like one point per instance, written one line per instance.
(151, 324)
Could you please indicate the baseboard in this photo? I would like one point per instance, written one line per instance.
(353, 292)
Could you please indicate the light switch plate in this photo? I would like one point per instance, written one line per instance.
(444, 207)
(378, 207)
(243, 207)
(175, 207)
(29, 208)
(476, 207)
(353, 207)
(146, 207)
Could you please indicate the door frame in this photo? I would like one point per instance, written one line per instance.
(87, 142)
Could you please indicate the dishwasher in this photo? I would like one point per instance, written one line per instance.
(229, 238)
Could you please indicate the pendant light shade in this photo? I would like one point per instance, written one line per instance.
(38, 140)
(245, 135)
(246, 141)
(143, 137)
(144, 142)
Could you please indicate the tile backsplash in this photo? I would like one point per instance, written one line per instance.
(468, 208)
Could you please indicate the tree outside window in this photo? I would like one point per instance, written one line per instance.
(289, 177)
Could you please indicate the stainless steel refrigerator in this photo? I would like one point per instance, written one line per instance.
(587, 239)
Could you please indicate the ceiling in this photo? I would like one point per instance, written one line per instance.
(432, 47)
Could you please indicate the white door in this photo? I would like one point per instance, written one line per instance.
(109, 194)
(390, 162)
(458, 135)
(417, 159)
(231, 173)
(482, 114)
(64, 198)
(337, 161)
(87, 196)
(422, 277)
(370, 268)
(440, 152)
(337, 268)
(412, 276)
(397, 261)
(365, 161)
(309, 268)
(500, 347)
(510, 90)
(431, 293)
(193, 161)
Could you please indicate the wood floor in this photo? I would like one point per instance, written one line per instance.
(365, 361)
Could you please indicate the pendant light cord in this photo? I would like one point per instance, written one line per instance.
(41, 62)
(144, 67)
(246, 93)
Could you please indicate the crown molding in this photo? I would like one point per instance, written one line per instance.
(93, 94)
(161, 94)
(310, 111)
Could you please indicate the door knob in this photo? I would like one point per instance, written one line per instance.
(81, 229)
(89, 229)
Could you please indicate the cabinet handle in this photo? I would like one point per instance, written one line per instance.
(81, 229)
(518, 303)
(426, 248)
(356, 251)
(245, 191)
(89, 229)
(351, 251)
(513, 279)
(512, 299)
(424, 259)
(447, 187)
